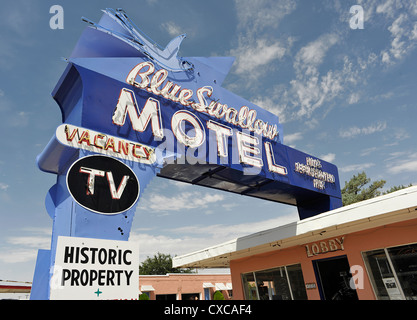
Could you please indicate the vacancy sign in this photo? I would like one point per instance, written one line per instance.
(95, 269)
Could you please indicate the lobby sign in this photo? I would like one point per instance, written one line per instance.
(95, 269)
(325, 246)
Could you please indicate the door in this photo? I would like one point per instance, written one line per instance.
(333, 278)
(207, 294)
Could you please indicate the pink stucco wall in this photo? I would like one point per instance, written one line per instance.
(354, 244)
(184, 284)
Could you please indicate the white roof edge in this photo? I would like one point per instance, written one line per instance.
(183, 274)
(367, 209)
(205, 253)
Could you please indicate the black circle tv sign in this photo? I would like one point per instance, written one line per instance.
(103, 184)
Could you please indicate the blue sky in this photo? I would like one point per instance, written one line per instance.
(346, 95)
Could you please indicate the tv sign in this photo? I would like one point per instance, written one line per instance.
(103, 185)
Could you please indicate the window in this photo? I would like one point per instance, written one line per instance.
(282, 283)
(296, 280)
(393, 272)
(404, 260)
(249, 286)
(190, 296)
(380, 274)
(166, 297)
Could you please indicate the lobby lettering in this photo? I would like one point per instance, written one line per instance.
(326, 246)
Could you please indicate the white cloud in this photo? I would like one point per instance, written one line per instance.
(256, 15)
(403, 28)
(18, 255)
(356, 131)
(398, 45)
(3, 186)
(368, 151)
(291, 138)
(25, 248)
(328, 157)
(401, 134)
(30, 241)
(18, 15)
(312, 55)
(313, 88)
(181, 201)
(312, 92)
(250, 57)
(151, 244)
(386, 8)
(413, 35)
(19, 119)
(16, 19)
(229, 232)
(274, 102)
(172, 28)
(196, 237)
(356, 167)
(354, 98)
(403, 164)
(255, 51)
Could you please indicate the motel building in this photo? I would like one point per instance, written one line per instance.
(364, 251)
(186, 286)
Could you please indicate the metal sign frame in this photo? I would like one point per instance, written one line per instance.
(162, 115)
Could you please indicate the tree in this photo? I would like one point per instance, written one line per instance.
(160, 264)
(218, 295)
(143, 296)
(355, 190)
(396, 188)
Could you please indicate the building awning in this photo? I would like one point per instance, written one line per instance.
(208, 285)
(14, 289)
(147, 288)
(229, 286)
(220, 286)
(387, 209)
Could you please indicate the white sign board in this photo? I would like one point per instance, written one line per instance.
(95, 269)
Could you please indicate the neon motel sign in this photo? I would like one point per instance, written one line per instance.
(131, 107)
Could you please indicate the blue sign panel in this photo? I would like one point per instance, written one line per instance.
(121, 96)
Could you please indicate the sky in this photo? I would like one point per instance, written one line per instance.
(346, 95)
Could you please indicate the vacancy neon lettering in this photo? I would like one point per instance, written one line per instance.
(102, 143)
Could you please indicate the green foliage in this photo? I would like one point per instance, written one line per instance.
(159, 264)
(396, 188)
(355, 190)
(218, 295)
(143, 296)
